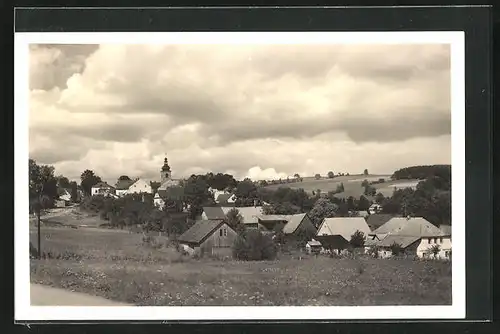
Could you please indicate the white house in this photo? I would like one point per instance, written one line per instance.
(374, 208)
(424, 249)
(140, 186)
(102, 188)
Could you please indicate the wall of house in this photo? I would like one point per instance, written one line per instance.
(140, 186)
(100, 191)
(423, 249)
(121, 192)
(223, 237)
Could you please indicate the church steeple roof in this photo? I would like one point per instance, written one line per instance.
(166, 167)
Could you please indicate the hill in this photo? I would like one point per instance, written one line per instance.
(352, 184)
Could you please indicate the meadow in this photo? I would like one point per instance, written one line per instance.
(352, 184)
(120, 266)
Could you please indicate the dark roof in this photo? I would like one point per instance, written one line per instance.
(102, 185)
(124, 184)
(63, 191)
(214, 212)
(199, 231)
(223, 197)
(378, 219)
(173, 193)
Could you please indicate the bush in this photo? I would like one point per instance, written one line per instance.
(253, 245)
(357, 239)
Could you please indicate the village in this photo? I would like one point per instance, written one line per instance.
(213, 232)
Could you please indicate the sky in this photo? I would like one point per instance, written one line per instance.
(258, 111)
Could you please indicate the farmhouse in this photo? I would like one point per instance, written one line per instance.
(441, 244)
(335, 233)
(122, 187)
(209, 237)
(249, 214)
(413, 235)
(102, 188)
(140, 186)
(289, 224)
(313, 246)
(64, 194)
(225, 198)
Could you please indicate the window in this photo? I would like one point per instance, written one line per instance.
(220, 232)
(429, 240)
(435, 240)
(441, 240)
(225, 232)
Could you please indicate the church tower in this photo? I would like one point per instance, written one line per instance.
(165, 171)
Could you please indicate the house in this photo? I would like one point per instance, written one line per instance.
(122, 186)
(209, 237)
(140, 186)
(289, 224)
(225, 198)
(376, 220)
(64, 194)
(335, 233)
(375, 208)
(313, 247)
(443, 250)
(408, 234)
(446, 229)
(102, 188)
(249, 214)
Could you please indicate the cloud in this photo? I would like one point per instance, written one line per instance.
(252, 110)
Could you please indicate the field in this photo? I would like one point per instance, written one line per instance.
(68, 216)
(352, 185)
(119, 266)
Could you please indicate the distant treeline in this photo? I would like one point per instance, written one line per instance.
(423, 172)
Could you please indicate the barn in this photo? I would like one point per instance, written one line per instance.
(209, 237)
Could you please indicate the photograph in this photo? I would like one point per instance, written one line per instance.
(241, 169)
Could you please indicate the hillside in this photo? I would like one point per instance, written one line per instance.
(352, 184)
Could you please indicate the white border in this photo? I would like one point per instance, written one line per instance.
(23, 309)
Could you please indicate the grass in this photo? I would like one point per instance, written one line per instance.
(119, 266)
(352, 185)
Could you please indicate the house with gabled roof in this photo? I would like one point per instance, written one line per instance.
(209, 237)
(122, 187)
(290, 224)
(102, 188)
(335, 233)
(412, 235)
(249, 214)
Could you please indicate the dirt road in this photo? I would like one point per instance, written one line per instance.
(42, 295)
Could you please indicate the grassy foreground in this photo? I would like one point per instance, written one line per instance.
(118, 266)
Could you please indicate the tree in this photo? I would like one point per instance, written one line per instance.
(154, 186)
(42, 191)
(196, 195)
(357, 239)
(363, 203)
(253, 245)
(63, 182)
(331, 175)
(322, 209)
(235, 220)
(124, 178)
(340, 188)
(74, 191)
(434, 250)
(317, 176)
(396, 249)
(246, 193)
(370, 191)
(88, 180)
(379, 198)
(365, 183)
(365, 172)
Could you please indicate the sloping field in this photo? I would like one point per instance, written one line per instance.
(118, 266)
(71, 216)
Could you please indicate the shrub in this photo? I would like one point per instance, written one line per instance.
(396, 249)
(253, 245)
(357, 239)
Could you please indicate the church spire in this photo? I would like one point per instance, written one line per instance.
(166, 167)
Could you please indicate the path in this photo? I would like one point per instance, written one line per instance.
(42, 295)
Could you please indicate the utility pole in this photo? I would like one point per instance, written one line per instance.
(38, 209)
